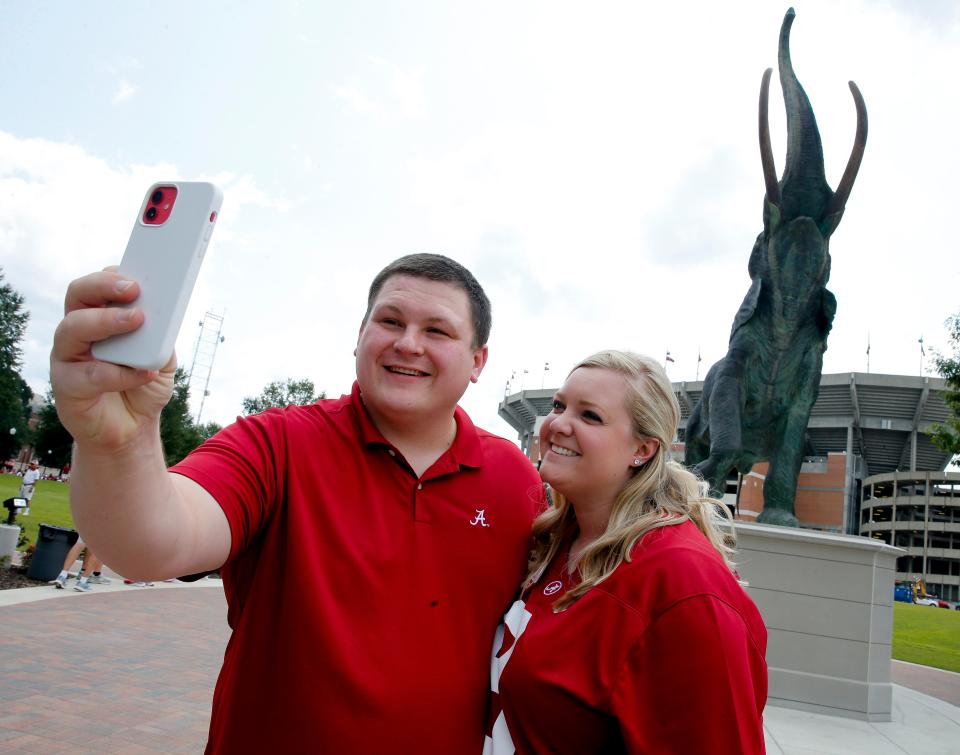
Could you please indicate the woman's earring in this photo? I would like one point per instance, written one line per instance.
(637, 462)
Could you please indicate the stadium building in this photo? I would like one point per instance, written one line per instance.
(870, 467)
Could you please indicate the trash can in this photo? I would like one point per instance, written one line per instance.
(53, 543)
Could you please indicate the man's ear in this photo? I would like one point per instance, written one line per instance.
(363, 324)
(479, 360)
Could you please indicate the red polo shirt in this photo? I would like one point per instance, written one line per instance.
(666, 656)
(363, 600)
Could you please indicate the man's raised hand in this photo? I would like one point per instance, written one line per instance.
(105, 405)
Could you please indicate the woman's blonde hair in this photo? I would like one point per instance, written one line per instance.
(660, 493)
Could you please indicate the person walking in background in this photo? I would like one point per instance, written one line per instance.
(90, 573)
(30, 478)
(632, 634)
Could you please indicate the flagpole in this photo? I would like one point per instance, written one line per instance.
(699, 359)
(868, 352)
(922, 355)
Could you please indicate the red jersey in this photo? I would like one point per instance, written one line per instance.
(362, 599)
(665, 656)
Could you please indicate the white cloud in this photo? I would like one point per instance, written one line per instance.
(356, 98)
(123, 65)
(66, 213)
(407, 92)
(598, 169)
(124, 91)
(388, 90)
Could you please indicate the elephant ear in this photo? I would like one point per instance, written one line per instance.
(748, 307)
(828, 308)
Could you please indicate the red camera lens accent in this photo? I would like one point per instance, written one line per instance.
(213, 216)
(159, 205)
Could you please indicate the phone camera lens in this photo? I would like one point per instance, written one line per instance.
(156, 197)
(151, 213)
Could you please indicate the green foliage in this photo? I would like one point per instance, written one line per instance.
(13, 322)
(947, 436)
(50, 505)
(15, 397)
(52, 442)
(177, 430)
(208, 429)
(15, 394)
(281, 393)
(926, 635)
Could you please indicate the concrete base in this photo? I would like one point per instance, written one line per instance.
(827, 601)
(9, 534)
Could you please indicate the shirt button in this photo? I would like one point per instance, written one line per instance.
(392, 452)
(420, 486)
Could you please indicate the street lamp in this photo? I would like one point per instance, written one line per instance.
(13, 433)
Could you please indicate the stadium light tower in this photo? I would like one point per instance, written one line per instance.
(211, 329)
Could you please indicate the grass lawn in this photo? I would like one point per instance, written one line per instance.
(50, 505)
(926, 635)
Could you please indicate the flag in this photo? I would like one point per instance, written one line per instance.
(670, 358)
(922, 352)
(699, 358)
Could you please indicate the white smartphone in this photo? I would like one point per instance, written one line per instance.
(163, 255)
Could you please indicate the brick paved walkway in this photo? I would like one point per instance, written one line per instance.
(130, 672)
(944, 685)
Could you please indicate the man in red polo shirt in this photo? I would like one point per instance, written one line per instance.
(369, 544)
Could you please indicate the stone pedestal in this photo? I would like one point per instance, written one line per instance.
(827, 601)
(9, 534)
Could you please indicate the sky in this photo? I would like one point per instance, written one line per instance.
(595, 165)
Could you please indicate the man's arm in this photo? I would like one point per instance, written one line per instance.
(141, 520)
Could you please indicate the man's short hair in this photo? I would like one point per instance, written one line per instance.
(436, 267)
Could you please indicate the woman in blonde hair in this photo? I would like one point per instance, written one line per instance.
(632, 633)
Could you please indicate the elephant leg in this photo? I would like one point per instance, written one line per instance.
(780, 486)
(714, 469)
(725, 434)
(697, 446)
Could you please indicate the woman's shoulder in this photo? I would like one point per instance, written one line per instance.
(680, 541)
(669, 564)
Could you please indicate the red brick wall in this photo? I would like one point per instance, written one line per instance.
(819, 500)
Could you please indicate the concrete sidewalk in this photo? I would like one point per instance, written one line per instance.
(131, 670)
(33, 594)
(921, 725)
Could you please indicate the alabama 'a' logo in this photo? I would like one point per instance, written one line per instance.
(480, 520)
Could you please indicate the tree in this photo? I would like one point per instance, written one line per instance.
(15, 394)
(52, 442)
(208, 429)
(177, 430)
(947, 435)
(281, 393)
